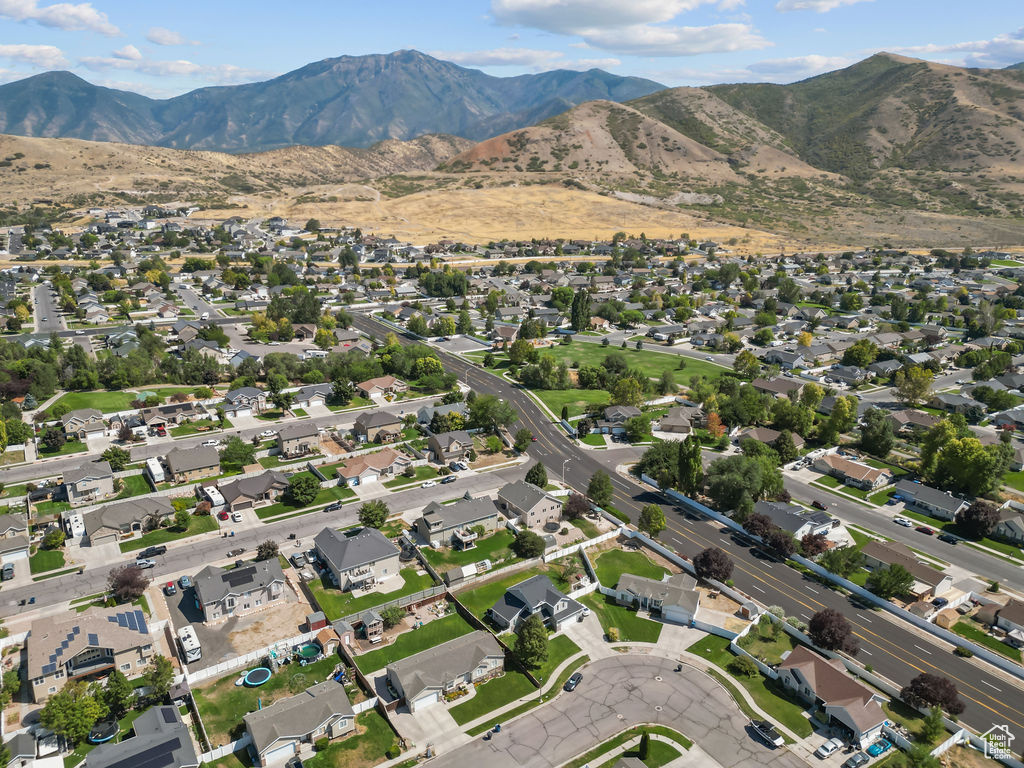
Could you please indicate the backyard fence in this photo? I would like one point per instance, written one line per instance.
(216, 670)
(400, 602)
(227, 749)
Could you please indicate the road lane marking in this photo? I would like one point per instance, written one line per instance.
(754, 586)
(923, 649)
(986, 682)
(812, 589)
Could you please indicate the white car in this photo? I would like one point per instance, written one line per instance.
(210, 443)
(236, 517)
(828, 748)
(79, 333)
(145, 563)
(267, 433)
(903, 521)
(428, 484)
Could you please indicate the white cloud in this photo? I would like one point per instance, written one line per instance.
(999, 51)
(585, 64)
(45, 56)
(128, 53)
(651, 40)
(69, 16)
(164, 36)
(220, 74)
(523, 57)
(798, 67)
(819, 6)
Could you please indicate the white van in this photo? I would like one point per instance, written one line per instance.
(204, 316)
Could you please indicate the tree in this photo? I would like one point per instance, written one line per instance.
(715, 426)
(487, 412)
(804, 339)
(600, 488)
(876, 435)
(743, 666)
(928, 690)
(182, 517)
(537, 475)
(303, 489)
(267, 550)
(392, 616)
(373, 514)
(159, 676)
(979, 519)
(690, 471)
(964, 465)
(652, 520)
(842, 561)
(531, 646)
(528, 544)
(580, 312)
(493, 444)
(713, 563)
(785, 447)
(522, 440)
(813, 544)
(638, 428)
(862, 354)
(933, 725)
(127, 582)
(53, 438)
(746, 365)
(628, 391)
(889, 581)
(54, 539)
(118, 458)
(71, 712)
(912, 384)
(829, 629)
(118, 694)
(779, 541)
(576, 506)
(644, 749)
(237, 453)
(757, 524)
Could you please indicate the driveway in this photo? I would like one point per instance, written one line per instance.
(428, 725)
(615, 694)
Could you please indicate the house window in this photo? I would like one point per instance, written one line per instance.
(60, 674)
(53, 689)
(126, 667)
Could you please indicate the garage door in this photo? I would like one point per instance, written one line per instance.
(10, 557)
(279, 754)
(424, 700)
(243, 412)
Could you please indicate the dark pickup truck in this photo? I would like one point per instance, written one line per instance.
(160, 549)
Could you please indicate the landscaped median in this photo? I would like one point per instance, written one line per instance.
(660, 752)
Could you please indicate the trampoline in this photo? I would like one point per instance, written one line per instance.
(103, 732)
(309, 651)
(257, 677)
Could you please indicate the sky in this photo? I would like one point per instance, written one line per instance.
(164, 49)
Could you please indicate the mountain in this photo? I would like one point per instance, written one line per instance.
(350, 101)
(1018, 65)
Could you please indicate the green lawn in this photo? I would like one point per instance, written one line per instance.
(587, 527)
(222, 703)
(970, 630)
(768, 694)
(494, 548)
(50, 507)
(46, 560)
(85, 748)
(658, 754)
(631, 627)
(611, 564)
(430, 634)
(134, 485)
(71, 446)
(578, 400)
(272, 462)
(762, 643)
(299, 412)
(594, 439)
(649, 362)
(560, 648)
(198, 426)
(323, 496)
(879, 499)
(272, 415)
(423, 473)
(366, 747)
(101, 400)
(656, 757)
(196, 525)
(831, 482)
(335, 603)
(1015, 480)
(356, 402)
(11, 491)
(479, 599)
(491, 695)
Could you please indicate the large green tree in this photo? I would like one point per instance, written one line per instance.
(876, 434)
(118, 694)
(72, 712)
(579, 316)
(690, 469)
(159, 676)
(600, 488)
(374, 513)
(652, 520)
(537, 475)
(890, 581)
(531, 646)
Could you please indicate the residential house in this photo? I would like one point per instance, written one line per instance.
(599, 324)
(1011, 522)
(60, 649)
(853, 473)
(89, 483)
(615, 417)
(21, 750)
(359, 560)
(777, 387)
(909, 420)
(931, 501)
(250, 492)
(83, 423)
(766, 435)
(536, 595)
(378, 426)
(675, 598)
(953, 403)
(244, 401)
(278, 731)
(445, 525)
(223, 594)
(786, 360)
(298, 439)
(928, 582)
(14, 542)
(504, 334)
(450, 446)
(850, 706)
(1010, 619)
(682, 419)
(312, 394)
(528, 504)
(161, 740)
(371, 467)
(426, 414)
(381, 386)
(421, 679)
(124, 519)
(186, 465)
(794, 520)
(884, 369)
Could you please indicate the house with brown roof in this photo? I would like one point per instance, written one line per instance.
(371, 467)
(299, 439)
(380, 386)
(777, 387)
(377, 426)
(853, 473)
(1010, 619)
(1011, 522)
(249, 492)
(767, 435)
(928, 582)
(909, 420)
(824, 683)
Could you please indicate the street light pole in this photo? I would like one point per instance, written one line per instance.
(566, 461)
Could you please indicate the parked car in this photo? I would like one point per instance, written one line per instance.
(236, 552)
(170, 589)
(903, 521)
(454, 466)
(156, 551)
(449, 479)
(298, 559)
(210, 443)
(236, 517)
(940, 602)
(7, 572)
(818, 504)
(185, 582)
(857, 760)
(144, 563)
(223, 515)
(829, 747)
(267, 433)
(428, 484)
(949, 538)
(925, 530)
(879, 747)
(333, 507)
(767, 731)
(574, 679)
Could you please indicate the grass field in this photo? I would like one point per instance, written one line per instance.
(198, 426)
(578, 401)
(323, 496)
(491, 695)
(71, 446)
(46, 560)
(970, 630)
(101, 400)
(494, 548)
(479, 599)
(560, 648)
(196, 525)
(423, 473)
(651, 363)
(134, 485)
(594, 439)
(611, 564)
(366, 747)
(335, 603)
(630, 626)
(430, 634)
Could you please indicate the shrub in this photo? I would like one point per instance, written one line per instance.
(962, 652)
(742, 666)
(320, 744)
(613, 634)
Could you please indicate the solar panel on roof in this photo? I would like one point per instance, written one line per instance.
(76, 630)
(53, 657)
(159, 756)
(129, 621)
(49, 669)
(170, 716)
(141, 620)
(93, 639)
(112, 619)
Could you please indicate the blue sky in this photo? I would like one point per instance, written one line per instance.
(163, 49)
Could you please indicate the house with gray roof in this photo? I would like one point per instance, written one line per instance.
(14, 543)
(426, 414)
(444, 525)
(793, 519)
(450, 446)
(931, 501)
(536, 595)
(675, 598)
(421, 679)
(312, 394)
(298, 439)
(249, 492)
(186, 465)
(91, 482)
(161, 740)
(225, 593)
(361, 559)
(125, 519)
(83, 422)
(278, 731)
(528, 504)
(377, 426)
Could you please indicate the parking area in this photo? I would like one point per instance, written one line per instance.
(461, 345)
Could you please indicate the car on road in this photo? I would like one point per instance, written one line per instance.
(156, 551)
(829, 747)
(709, 357)
(333, 507)
(428, 484)
(170, 589)
(533, 439)
(879, 747)
(236, 552)
(145, 562)
(449, 479)
(210, 443)
(949, 538)
(819, 504)
(45, 319)
(442, 338)
(574, 680)
(185, 582)
(925, 530)
(79, 333)
(236, 517)
(268, 433)
(903, 521)
(767, 731)
(857, 760)
(223, 515)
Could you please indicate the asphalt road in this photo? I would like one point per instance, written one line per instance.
(194, 301)
(46, 307)
(890, 646)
